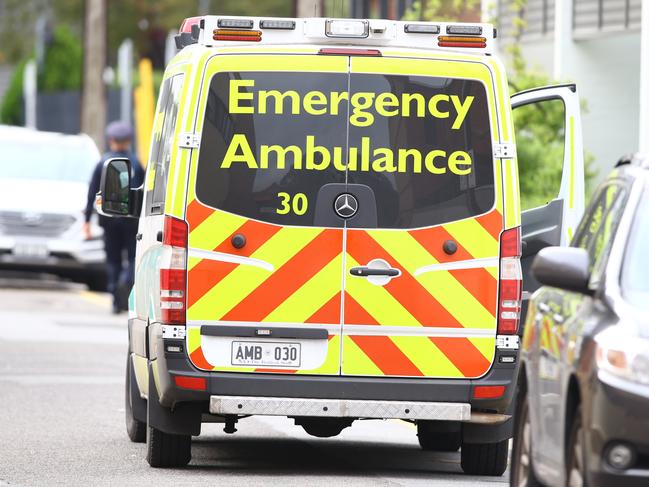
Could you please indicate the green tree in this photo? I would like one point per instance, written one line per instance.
(61, 70)
(441, 10)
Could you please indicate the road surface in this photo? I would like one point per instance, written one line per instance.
(62, 360)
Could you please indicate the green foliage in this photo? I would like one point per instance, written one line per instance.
(62, 64)
(11, 111)
(442, 10)
(61, 70)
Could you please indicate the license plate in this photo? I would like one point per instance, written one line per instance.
(30, 251)
(266, 353)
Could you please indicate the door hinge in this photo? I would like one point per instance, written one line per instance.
(504, 151)
(189, 140)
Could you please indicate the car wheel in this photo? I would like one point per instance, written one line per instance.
(576, 465)
(135, 429)
(484, 458)
(438, 440)
(167, 450)
(522, 470)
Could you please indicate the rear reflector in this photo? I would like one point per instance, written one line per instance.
(237, 35)
(341, 51)
(194, 383)
(510, 286)
(488, 392)
(461, 41)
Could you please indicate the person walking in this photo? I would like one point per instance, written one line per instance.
(119, 233)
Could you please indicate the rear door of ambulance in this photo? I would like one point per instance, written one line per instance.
(421, 261)
(265, 253)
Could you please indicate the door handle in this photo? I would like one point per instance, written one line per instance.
(368, 271)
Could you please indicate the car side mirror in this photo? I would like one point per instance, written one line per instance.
(563, 267)
(115, 193)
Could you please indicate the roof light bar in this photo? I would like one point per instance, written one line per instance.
(474, 30)
(347, 28)
(277, 24)
(237, 35)
(235, 23)
(421, 29)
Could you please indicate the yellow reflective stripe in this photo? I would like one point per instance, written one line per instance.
(309, 298)
(426, 356)
(252, 62)
(452, 295)
(572, 163)
(150, 177)
(331, 365)
(192, 261)
(244, 279)
(377, 301)
(355, 362)
(486, 346)
(214, 229)
(193, 338)
(474, 238)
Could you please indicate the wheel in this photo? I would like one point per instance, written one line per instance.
(135, 429)
(522, 471)
(576, 465)
(165, 450)
(431, 440)
(484, 458)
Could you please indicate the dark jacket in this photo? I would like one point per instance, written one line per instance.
(137, 178)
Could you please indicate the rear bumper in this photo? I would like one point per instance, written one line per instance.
(484, 420)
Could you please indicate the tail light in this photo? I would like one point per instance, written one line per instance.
(173, 272)
(511, 282)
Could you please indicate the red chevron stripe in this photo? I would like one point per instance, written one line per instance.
(289, 278)
(197, 213)
(355, 314)
(492, 222)
(386, 355)
(208, 273)
(405, 288)
(464, 355)
(482, 285)
(329, 313)
(199, 360)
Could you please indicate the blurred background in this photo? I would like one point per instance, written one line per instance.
(73, 66)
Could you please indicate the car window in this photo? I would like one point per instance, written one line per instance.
(598, 227)
(635, 278)
(163, 133)
(67, 159)
(421, 145)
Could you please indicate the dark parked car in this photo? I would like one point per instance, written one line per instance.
(582, 415)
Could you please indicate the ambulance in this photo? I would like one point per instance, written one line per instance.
(330, 230)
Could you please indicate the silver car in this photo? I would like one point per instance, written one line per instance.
(43, 189)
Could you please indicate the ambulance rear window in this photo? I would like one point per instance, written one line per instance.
(271, 141)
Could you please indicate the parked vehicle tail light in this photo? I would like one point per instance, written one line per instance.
(173, 272)
(510, 283)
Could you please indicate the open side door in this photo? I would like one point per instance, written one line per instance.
(547, 122)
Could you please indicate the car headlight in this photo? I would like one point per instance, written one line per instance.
(623, 354)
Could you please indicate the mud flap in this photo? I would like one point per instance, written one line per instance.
(183, 419)
(138, 404)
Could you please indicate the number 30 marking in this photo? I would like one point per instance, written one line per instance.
(299, 204)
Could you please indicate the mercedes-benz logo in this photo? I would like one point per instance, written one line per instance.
(346, 205)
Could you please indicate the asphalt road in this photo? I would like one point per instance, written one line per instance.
(62, 360)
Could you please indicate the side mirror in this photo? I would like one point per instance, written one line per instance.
(563, 267)
(115, 193)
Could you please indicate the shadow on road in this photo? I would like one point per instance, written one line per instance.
(287, 456)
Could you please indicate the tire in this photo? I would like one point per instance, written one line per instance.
(135, 429)
(448, 441)
(522, 470)
(484, 458)
(165, 450)
(576, 472)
